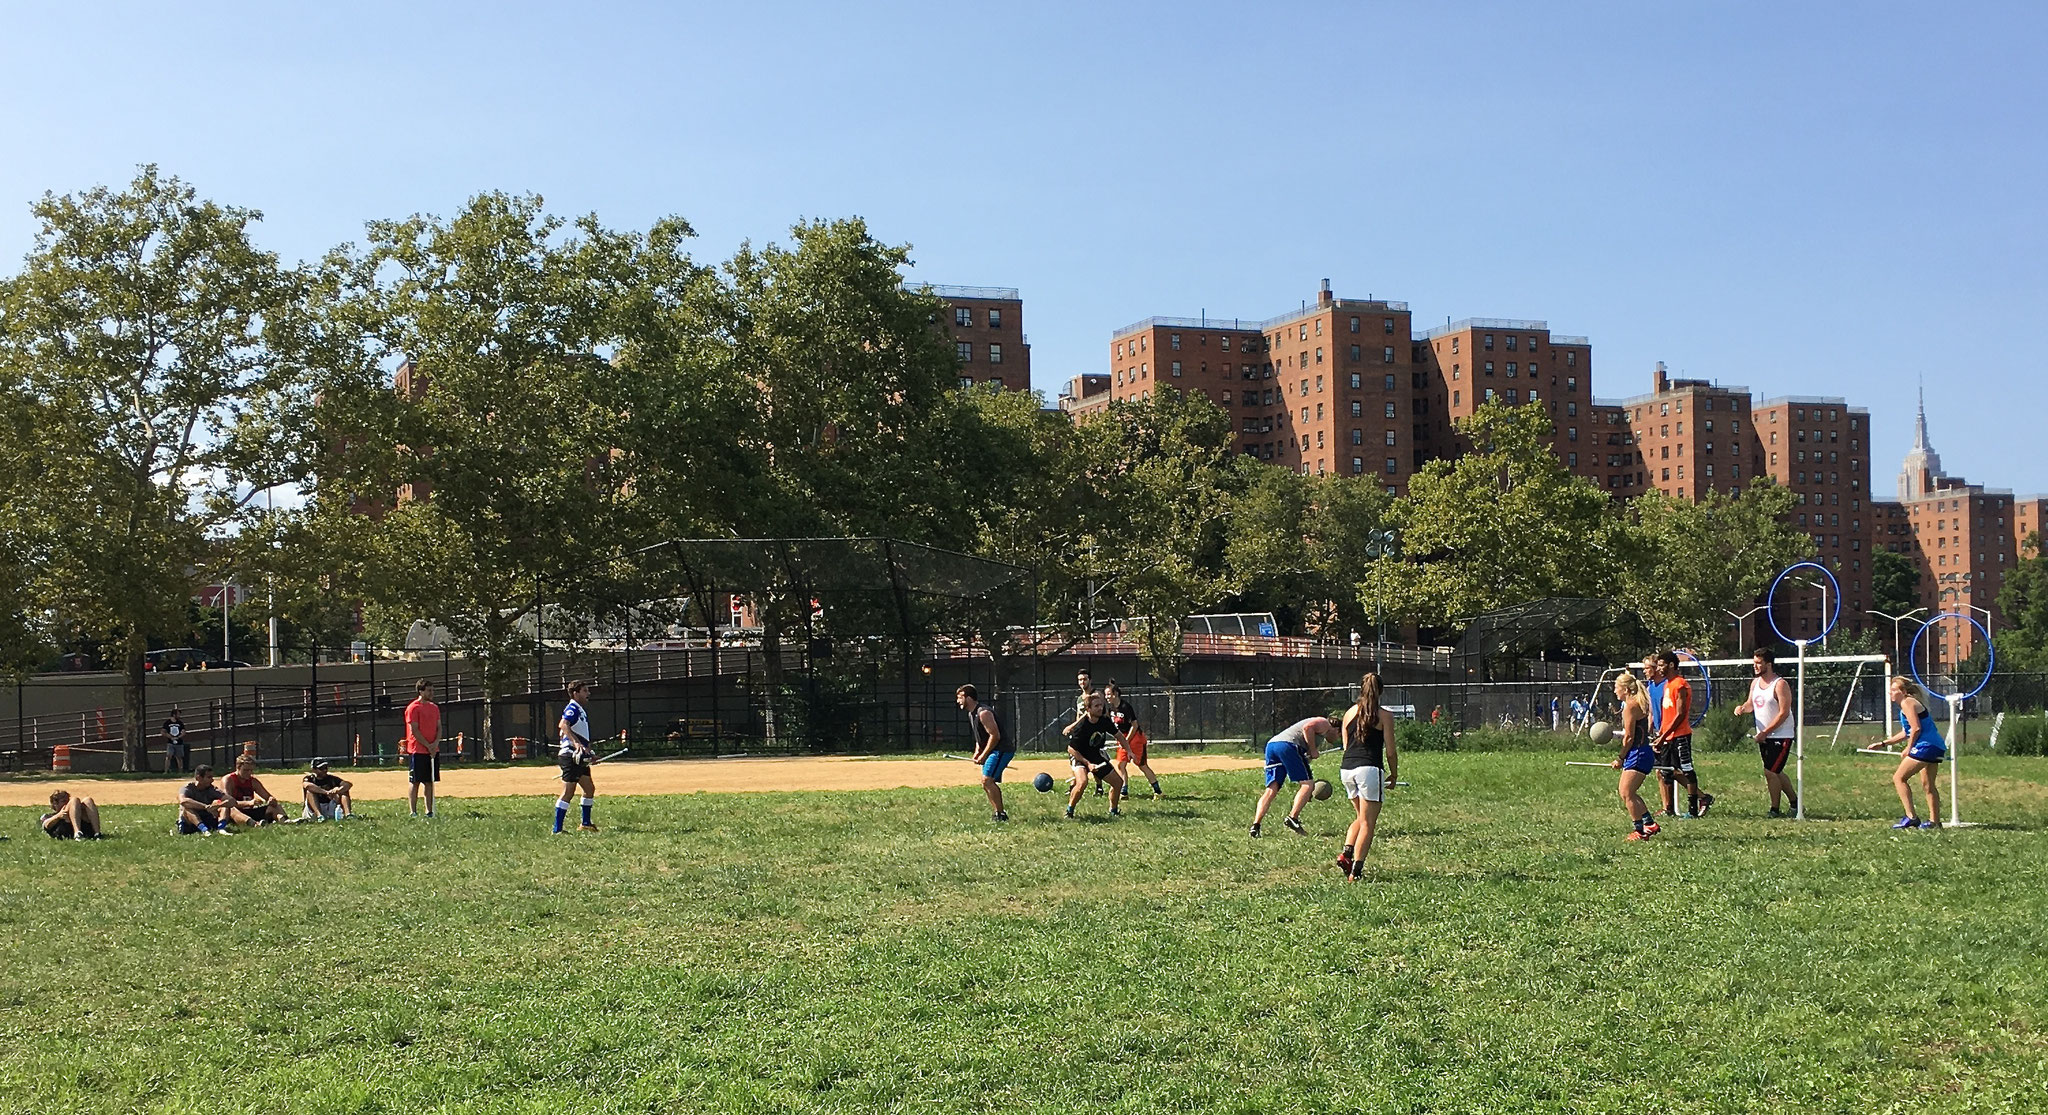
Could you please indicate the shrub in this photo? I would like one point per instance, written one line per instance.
(1423, 735)
(2025, 734)
(1722, 730)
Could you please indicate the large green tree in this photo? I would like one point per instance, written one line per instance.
(498, 444)
(141, 339)
(1696, 559)
(2023, 643)
(1297, 543)
(1500, 524)
(1894, 583)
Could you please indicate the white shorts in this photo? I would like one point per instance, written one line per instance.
(1363, 782)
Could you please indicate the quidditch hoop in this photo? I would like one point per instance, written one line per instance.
(1771, 612)
(1990, 656)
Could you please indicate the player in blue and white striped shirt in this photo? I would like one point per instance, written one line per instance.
(575, 756)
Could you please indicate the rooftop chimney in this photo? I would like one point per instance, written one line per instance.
(1663, 380)
(1323, 296)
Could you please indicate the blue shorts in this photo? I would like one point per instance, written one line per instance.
(1284, 761)
(992, 767)
(1927, 752)
(1642, 760)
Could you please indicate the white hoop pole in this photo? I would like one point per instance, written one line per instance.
(1847, 699)
(1955, 748)
(1799, 739)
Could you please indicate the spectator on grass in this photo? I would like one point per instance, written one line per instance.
(202, 806)
(177, 752)
(327, 794)
(71, 817)
(249, 801)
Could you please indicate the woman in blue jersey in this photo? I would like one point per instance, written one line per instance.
(1925, 750)
(1637, 760)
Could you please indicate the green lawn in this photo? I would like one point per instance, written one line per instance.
(895, 951)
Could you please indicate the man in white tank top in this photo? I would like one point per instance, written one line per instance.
(1770, 700)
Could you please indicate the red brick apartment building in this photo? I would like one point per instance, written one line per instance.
(986, 325)
(1344, 385)
(1964, 537)
(2029, 517)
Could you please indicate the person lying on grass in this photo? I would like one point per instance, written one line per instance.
(202, 806)
(326, 794)
(249, 801)
(72, 818)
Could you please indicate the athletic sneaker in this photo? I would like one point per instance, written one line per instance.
(1070, 810)
(1706, 803)
(1650, 828)
(1906, 823)
(1116, 812)
(1794, 807)
(1671, 813)
(1637, 835)
(1775, 812)
(1344, 864)
(1000, 817)
(1158, 795)
(1255, 830)
(1294, 824)
(1099, 791)
(1930, 824)
(586, 828)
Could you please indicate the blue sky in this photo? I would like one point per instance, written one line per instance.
(1810, 198)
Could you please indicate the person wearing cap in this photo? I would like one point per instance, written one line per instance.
(327, 794)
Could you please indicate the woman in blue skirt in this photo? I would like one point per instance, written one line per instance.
(1925, 749)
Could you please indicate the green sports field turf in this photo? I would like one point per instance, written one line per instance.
(894, 951)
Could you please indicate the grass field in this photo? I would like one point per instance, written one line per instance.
(894, 951)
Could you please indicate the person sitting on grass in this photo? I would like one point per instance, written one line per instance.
(202, 805)
(249, 801)
(1925, 749)
(72, 817)
(327, 794)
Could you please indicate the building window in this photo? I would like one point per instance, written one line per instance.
(1489, 395)
(995, 354)
(1571, 358)
(1354, 325)
(1387, 325)
(1571, 410)
(1358, 466)
(1176, 367)
(1710, 468)
(1357, 437)
(1387, 355)
(1356, 353)
(963, 316)
(1489, 368)
(1514, 395)
(1571, 460)
(1489, 342)
(1455, 400)
(1571, 433)
(964, 350)
(1389, 386)
(1175, 341)
(1390, 409)
(1454, 346)
(1571, 383)
(1390, 438)
(1357, 381)
(995, 319)
(966, 382)
(1393, 466)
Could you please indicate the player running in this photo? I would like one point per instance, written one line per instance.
(992, 749)
(1288, 756)
(1637, 760)
(575, 756)
(1369, 765)
(1770, 701)
(1674, 741)
(1925, 749)
(1131, 740)
(1092, 730)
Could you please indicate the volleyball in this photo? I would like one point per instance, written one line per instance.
(1601, 731)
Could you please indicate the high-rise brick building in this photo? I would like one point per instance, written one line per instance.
(1520, 362)
(1690, 437)
(2029, 517)
(1963, 536)
(1820, 449)
(1330, 388)
(986, 326)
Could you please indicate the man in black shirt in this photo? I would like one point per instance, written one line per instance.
(1090, 732)
(327, 794)
(177, 753)
(202, 807)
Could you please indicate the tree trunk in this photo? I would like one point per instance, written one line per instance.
(134, 730)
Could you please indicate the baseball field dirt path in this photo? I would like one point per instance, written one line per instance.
(671, 776)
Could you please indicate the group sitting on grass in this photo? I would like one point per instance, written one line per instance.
(242, 799)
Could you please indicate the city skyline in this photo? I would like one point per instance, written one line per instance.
(1750, 194)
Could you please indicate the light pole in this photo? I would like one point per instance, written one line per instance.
(1823, 610)
(1898, 652)
(1740, 618)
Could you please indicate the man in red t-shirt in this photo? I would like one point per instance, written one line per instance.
(422, 746)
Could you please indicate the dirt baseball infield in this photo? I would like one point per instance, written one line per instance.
(672, 776)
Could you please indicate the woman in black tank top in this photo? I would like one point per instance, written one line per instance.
(1367, 768)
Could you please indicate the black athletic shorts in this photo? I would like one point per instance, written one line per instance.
(1775, 752)
(1677, 753)
(60, 829)
(1090, 757)
(425, 768)
(574, 769)
(206, 817)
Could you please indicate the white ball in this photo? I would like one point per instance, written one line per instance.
(1601, 731)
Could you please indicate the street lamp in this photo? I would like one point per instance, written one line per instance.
(1739, 618)
(1824, 625)
(1898, 648)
